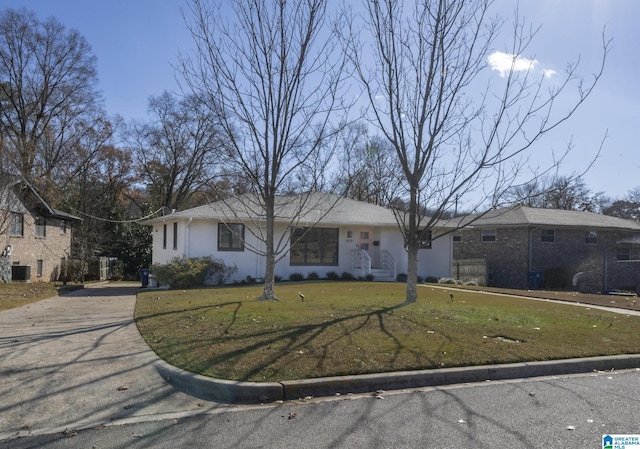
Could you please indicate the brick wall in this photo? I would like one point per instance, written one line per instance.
(518, 251)
(29, 249)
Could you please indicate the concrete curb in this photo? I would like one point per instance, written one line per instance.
(232, 392)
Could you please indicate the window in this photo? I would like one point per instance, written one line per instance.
(63, 226)
(39, 265)
(488, 235)
(424, 239)
(41, 226)
(364, 235)
(623, 253)
(548, 235)
(16, 224)
(314, 246)
(230, 237)
(457, 236)
(164, 236)
(175, 236)
(591, 237)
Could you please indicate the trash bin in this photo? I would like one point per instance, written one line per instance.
(144, 277)
(535, 280)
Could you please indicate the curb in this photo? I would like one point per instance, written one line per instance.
(235, 392)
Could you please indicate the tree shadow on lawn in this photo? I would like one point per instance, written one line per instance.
(288, 341)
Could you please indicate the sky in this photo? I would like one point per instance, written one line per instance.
(137, 42)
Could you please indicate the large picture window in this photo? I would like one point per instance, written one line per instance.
(230, 237)
(314, 246)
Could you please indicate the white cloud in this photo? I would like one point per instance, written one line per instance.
(549, 73)
(505, 62)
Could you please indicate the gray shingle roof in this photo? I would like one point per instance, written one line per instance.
(306, 209)
(528, 216)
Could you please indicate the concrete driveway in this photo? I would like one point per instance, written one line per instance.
(78, 361)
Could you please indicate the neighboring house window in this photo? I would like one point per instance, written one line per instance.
(624, 253)
(39, 264)
(314, 246)
(41, 226)
(164, 236)
(175, 236)
(488, 235)
(424, 240)
(16, 224)
(548, 235)
(457, 236)
(63, 226)
(591, 237)
(230, 237)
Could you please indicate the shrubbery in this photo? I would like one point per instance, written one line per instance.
(333, 276)
(296, 277)
(186, 272)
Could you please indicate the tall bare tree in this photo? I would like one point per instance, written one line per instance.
(48, 82)
(423, 73)
(176, 150)
(273, 73)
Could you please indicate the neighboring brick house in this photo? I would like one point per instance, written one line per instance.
(524, 247)
(36, 238)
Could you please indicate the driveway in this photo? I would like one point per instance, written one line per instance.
(78, 361)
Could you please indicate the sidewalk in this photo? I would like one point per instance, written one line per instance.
(78, 361)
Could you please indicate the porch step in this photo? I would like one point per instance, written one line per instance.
(382, 275)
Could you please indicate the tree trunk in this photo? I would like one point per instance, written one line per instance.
(412, 274)
(268, 294)
(412, 247)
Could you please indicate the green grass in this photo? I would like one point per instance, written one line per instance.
(16, 294)
(362, 327)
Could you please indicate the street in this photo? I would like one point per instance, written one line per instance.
(558, 412)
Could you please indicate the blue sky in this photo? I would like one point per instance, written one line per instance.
(137, 41)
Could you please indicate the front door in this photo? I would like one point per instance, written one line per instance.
(365, 241)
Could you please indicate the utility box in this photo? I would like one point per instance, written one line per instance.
(21, 273)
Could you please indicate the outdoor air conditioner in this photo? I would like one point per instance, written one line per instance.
(20, 272)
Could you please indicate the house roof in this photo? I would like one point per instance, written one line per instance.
(305, 209)
(529, 216)
(9, 182)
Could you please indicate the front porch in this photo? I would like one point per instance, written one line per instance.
(362, 265)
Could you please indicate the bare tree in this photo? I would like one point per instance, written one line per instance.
(558, 192)
(176, 151)
(454, 138)
(272, 73)
(48, 87)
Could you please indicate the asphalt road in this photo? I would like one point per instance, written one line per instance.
(559, 412)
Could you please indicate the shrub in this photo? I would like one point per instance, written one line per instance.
(431, 280)
(472, 283)
(346, 276)
(557, 278)
(333, 276)
(313, 276)
(186, 272)
(277, 278)
(251, 279)
(420, 280)
(369, 277)
(402, 277)
(447, 281)
(296, 277)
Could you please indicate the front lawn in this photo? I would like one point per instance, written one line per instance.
(16, 294)
(365, 327)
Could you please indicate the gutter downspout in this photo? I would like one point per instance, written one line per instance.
(187, 233)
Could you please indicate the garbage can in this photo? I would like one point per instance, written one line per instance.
(144, 277)
(535, 280)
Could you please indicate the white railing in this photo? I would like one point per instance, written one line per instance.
(361, 260)
(389, 263)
